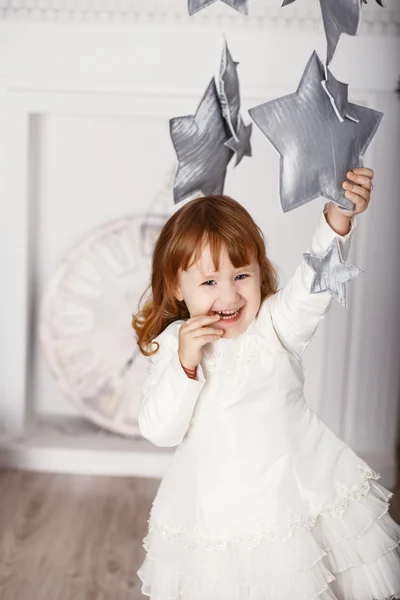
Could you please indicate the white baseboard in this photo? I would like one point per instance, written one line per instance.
(73, 445)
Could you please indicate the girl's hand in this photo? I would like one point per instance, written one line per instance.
(193, 335)
(359, 192)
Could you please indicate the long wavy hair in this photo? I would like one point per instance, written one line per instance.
(218, 221)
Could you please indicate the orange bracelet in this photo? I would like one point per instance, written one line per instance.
(191, 373)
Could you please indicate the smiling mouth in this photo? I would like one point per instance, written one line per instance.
(227, 313)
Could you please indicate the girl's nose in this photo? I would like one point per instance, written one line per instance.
(229, 295)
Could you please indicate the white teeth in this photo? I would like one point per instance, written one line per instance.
(228, 314)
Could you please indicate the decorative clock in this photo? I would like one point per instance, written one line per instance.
(85, 324)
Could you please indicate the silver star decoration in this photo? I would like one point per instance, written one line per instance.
(331, 272)
(199, 142)
(230, 104)
(316, 148)
(195, 5)
(339, 16)
(240, 144)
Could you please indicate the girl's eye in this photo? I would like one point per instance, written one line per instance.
(211, 280)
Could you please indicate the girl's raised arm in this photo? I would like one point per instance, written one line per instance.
(168, 394)
(295, 312)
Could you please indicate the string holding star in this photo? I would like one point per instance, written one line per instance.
(316, 147)
(331, 273)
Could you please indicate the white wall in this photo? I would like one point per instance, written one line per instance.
(103, 161)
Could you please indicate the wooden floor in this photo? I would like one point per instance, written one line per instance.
(74, 537)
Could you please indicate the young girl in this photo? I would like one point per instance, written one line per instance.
(262, 501)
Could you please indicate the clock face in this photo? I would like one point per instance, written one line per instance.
(85, 324)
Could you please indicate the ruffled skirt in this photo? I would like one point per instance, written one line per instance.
(349, 553)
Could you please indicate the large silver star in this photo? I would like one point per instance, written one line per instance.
(316, 148)
(199, 143)
(230, 104)
(331, 272)
(196, 5)
(339, 16)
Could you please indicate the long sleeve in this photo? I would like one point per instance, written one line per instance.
(168, 394)
(295, 312)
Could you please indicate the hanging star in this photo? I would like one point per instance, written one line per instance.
(195, 5)
(339, 16)
(331, 272)
(316, 148)
(230, 104)
(199, 143)
(240, 144)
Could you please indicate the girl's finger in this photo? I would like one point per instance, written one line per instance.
(364, 171)
(357, 190)
(360, 203)
(206, 330)
(360, 180)
(206, 339)
(199, 321)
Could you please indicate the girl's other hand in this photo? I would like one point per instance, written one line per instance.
(358, 190)
(193, 335)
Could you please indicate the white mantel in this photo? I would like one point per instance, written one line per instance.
(82, 85)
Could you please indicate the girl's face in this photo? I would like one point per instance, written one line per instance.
(229, 289)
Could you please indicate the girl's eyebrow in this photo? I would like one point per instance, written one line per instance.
(216, 272)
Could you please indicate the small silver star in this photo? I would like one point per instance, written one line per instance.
(339, 16)
(195, 5)
(229, 91)
(230, 104)
(331, 272)
(240, 144)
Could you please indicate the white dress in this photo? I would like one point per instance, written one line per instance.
(262, 501)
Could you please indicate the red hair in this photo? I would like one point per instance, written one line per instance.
(218, 221)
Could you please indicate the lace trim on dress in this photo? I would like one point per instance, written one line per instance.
(254, 345)
(336, 510)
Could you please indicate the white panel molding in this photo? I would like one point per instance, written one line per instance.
(28, 441)
(15, 248)
(303, 15)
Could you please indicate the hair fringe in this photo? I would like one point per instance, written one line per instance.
(218, 220)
